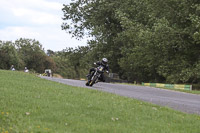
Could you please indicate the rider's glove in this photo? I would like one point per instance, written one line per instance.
(107, 71)
(95, 63)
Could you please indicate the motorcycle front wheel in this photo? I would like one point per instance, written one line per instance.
(93, 81)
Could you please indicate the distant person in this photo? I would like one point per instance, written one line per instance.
(12, 68)
(47, 73)
(26, 70)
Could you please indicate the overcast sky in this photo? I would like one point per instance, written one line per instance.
(36, 19)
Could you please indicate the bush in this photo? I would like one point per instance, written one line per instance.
(196, 87)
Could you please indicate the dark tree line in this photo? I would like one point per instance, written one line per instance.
(149, 41)
(69, 63)
(25, 53)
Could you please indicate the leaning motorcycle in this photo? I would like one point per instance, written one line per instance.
(95, 76)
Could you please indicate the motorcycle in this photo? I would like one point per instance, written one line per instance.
(95, 76)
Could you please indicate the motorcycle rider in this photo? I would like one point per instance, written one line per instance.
(103, 63)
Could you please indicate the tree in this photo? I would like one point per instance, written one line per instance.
(9, 56)
(155, 41)
(72, 63)
(33, 55)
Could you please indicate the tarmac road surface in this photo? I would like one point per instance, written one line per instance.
(185, 102)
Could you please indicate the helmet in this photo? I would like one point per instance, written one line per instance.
(104, 61)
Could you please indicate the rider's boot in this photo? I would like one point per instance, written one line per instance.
(88, 77)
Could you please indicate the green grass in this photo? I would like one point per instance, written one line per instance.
(31, 104)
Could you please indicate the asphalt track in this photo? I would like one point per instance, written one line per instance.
(185, 102)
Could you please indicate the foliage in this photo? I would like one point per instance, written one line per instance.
(72, 63)
(33, 55)
(9, 56)
(25, 53)
(157, 41)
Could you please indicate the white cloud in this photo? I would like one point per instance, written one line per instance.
(36, 4)
(18, 32)
(51, 38)
(36, 19)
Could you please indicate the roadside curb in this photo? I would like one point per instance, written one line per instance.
(170, 86)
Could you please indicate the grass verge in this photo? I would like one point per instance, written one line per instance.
(187, 91)
(31, 104)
